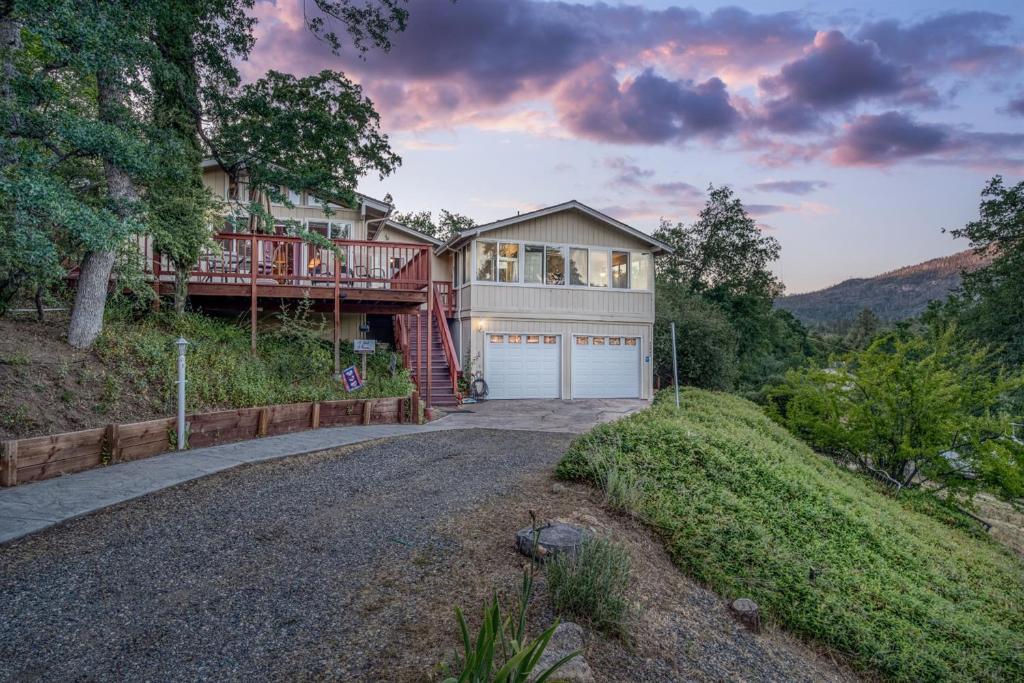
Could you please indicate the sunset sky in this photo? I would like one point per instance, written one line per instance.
(853, 132)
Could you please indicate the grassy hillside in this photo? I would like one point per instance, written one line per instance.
(745, 507)
(896, 295)
(47, 387)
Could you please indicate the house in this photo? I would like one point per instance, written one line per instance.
(555, 303)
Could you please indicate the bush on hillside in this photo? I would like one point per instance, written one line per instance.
(746, 508)
(293, 363)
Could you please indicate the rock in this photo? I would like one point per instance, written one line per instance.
(557, 488)
(568, 637)
(554, 538)
(747, 613)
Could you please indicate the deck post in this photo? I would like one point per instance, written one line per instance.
(337, 316)
(252, 294)
(430, 320)
(156, 279)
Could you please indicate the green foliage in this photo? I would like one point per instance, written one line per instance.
(501, 653)
(988, 308)
(863, 330)
(747, 509)
(293, 363)
(317, 133)
(719, 290)
(591, 585)
(911, 408)
(448, 224)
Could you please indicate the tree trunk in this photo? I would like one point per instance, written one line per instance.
(94, 276)
(39, 303)
(180, 289)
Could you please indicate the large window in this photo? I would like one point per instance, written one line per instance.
(294, 197)
(554, 266)
(335, 230)
(640, 271)
(533, 267)
(620, 269)
(486, 261)
(508, 262)
(598, 268)
(578, 267)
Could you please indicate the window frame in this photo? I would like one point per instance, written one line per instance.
(470, 262)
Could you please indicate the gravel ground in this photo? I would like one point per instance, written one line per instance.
(267, 571)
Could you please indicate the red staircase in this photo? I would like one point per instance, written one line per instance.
(443, 391)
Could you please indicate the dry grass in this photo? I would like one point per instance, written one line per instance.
(1007, 523)
(678, 631)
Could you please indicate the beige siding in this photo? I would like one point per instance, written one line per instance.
(440, 266)
(217, 181)
(561, 302)
(567, 227)
(480, 327)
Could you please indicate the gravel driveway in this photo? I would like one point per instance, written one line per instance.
(260, 572)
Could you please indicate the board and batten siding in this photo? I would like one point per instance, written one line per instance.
(565, 303)
(566, 227)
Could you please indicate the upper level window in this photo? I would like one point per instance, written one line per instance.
(335, 230)
(455, 269)
(578, 267)
(294, 197)
(554, 266)
(640, 271)
(508, 262)
(620, 269)
(232, 189)
(598, 268)
(533, 268)
(486, 261)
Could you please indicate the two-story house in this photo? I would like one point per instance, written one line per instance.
(556, 303)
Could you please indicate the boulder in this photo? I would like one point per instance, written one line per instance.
(568, 637)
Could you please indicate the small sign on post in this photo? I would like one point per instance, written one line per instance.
(350, 376)
(364, 347)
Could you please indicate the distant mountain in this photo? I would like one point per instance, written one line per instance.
(896, 295)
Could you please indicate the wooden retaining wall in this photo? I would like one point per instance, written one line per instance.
(43, 457)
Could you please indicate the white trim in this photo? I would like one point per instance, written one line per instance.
(412, 232)
(566, 250)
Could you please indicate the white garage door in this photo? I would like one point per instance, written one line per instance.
(605, 367)
(523, 365)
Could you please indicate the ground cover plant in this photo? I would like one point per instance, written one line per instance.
(750, 510)
(591, 584)
(293, 363)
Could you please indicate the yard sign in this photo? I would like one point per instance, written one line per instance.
(350, 376)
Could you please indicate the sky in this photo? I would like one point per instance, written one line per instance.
(853, 132)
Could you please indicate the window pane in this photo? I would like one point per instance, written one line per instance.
(582, 341)
(631, 341)
(578, 267)
(614, 341)
(533, 266)
(532, 339)
(320, 227)
(620, 269)
(294, 197)
(486, 264)
(640, 275)
(554, 266)
(598, 341)
(515, 339)
(497, 338)
(341, 231)
(550, 339)
(598, 268)
(508, 262)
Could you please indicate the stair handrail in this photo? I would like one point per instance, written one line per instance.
(454, 367)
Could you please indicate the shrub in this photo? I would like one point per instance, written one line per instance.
(591, 585)
(747, 509)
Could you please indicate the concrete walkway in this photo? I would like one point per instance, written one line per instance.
(32, 507)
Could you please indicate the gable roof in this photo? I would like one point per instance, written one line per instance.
(571, 205)
(413, 232)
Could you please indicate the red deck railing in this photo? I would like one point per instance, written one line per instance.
(443, 290)
(450, 355)
(286, 260)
